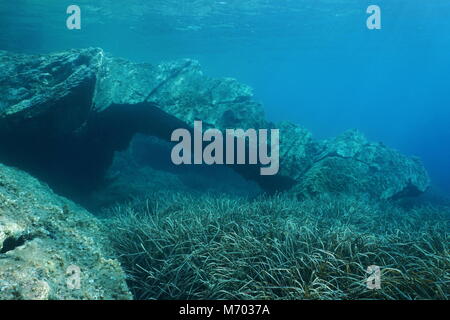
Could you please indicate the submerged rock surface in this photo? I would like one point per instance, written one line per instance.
(350, 164)
(42, 235)
(64, 115)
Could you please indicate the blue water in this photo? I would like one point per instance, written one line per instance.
(312, 62)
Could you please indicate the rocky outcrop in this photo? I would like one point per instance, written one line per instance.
(46, 240)
(349, 164)
(179, 89)
(64, 115)
(52, 93)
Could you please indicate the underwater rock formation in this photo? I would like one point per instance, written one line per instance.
(350, 164)
(179, 89)
(62, 116)
(43, 237)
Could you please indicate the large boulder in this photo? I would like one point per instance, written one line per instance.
(350, 164)
(46, 241)
(51, 93)
(64, 115)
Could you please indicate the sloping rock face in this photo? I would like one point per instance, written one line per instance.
(44, 101)
(350, 164)
(180, 89)
(45, 240)
(64, 115)
(51, 92)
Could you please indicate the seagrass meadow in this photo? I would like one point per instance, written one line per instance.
(217, 247)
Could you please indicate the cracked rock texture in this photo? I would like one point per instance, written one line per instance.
(349, 164)
(180, 89)
(42, 235)
(384, 172)
(66, 114)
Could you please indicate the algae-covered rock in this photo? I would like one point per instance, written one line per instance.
(180, 89)
(297, 150)
(351, 164)
(63, 116)
(47, 92)
(66, 128)
(45, 240)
